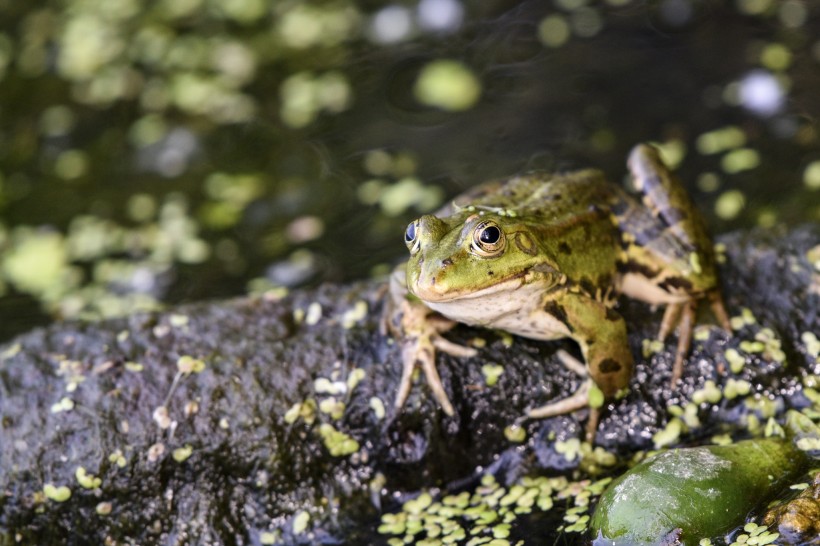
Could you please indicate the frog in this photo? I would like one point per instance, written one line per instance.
(547, 256)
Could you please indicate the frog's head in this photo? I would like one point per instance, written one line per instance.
(469, 255)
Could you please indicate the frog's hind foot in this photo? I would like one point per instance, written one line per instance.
(683, 316)
(719, 309)
(578, 400)
(685, 328)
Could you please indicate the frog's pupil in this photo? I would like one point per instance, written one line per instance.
(490, 235)
(410, 234)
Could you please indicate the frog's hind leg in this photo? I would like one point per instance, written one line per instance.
(685, 328)
(577, 401)
(719, 309)
(668, 254)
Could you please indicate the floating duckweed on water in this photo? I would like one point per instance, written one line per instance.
(314, 314)
(709, 393)
(87, 481)
(408, 192)
(323, 385)
(729, 204)
(355, 377)
(337, 443)
(487, 514)
(776, 57)
(187, 364)
(721, 140)
(491, 373)
(553, 31)
(515, 433)
(300, 522)
(302, 410)
(181, 454)
(746, 318)
(811, 175)
(117, 458)
(332, 407)
(65, 404)
(55, 493)
(448, 85)
(37, 263)
(354, 315)
(377, 406)
(570, 449)
(178, 321)
(735, 388)
(742, 159)
(133, 367)
(71, 164)
(651, 347)
(669, 434)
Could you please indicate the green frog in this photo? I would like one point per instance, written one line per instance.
(545, 256)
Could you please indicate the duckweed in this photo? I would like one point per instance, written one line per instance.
(56, 493)
(488, 513)
(354, 315)
(314, 314)
(491, 373)
(188, 365)
(300, 522)
(181, 454)
(65, 404)
(87, 481)
(515, 433)
(337, 443)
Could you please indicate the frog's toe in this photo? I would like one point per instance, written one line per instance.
(671, 317)
(719, 310)
(453, 349)
(686, 326)
(434, 381)
(420, 352)
(575, 402)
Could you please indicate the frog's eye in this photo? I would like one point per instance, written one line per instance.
(411, 236)
(488, 239)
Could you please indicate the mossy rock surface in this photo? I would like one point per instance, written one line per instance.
(225, 455)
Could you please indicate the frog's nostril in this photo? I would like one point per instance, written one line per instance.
(447, 262)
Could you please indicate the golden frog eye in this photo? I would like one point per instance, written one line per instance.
(411, 236)
(488, 239)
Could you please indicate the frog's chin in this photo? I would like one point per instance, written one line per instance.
(438, 293)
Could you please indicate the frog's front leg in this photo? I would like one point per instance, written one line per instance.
(601, 334)
(420, 329)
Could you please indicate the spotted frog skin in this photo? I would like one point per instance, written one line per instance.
(545, 256)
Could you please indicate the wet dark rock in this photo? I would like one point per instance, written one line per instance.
(91, 396)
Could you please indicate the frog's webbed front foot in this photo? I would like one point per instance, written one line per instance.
(421, 333)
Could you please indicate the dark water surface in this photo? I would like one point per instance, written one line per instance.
(184, 151)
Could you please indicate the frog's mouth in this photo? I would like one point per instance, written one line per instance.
(439, 292)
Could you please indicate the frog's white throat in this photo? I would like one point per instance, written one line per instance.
(514, 305)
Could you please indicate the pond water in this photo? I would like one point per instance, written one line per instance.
(200, 149)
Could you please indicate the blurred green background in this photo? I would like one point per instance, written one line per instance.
(178, 150)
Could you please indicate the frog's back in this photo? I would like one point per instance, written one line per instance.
(551, 196)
